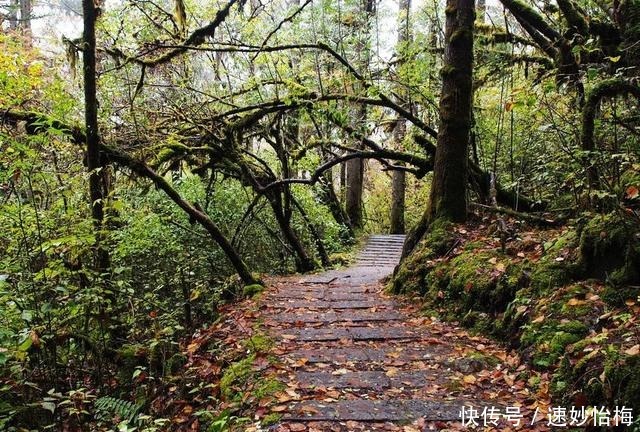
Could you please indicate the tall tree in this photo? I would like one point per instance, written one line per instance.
(94, 165)
(398, 184)
(448, 198)
(355, 167)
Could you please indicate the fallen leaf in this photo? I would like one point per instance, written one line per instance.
(509, 379)
(279, 408)
(575, 302)
(469, 379)
(633, 351)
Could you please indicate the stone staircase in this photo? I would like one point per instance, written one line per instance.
(381, 250)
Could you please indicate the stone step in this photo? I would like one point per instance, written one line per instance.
(341, 304)
(368, 380)
(363, 354)
(343, 315)
(396, 410)
(322, 295)
(351, 333)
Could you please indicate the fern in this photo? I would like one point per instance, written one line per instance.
(108, 407)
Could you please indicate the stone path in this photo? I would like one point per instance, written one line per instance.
(354, 359)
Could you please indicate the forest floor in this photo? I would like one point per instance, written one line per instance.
(353, 359)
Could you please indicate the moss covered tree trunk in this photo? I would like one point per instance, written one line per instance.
(448, 198)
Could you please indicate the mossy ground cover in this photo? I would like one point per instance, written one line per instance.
(566, 299)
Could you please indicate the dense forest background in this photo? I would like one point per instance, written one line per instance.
(160, 164)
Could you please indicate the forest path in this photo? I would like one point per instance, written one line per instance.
(353, 359)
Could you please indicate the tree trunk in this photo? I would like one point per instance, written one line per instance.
(304, 263)
(327, 195)
(398, 184)
(398, 187)
(94, 165)
(25, 17)
(353, 192)
(14, 5)
(317, 238)
(355, 167)
(448, 198)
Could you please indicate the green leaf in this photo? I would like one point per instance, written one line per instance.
(26, 344)
(27, 315)
(49, 406)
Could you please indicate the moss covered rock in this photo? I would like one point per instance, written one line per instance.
(610, 251)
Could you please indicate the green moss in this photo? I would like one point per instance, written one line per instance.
(451, 10)
(236, 375)
(252, 290)
(574, 327)
(268, 388)
(441, 237)
(258, 343)
(413, 271)
(340, 259)
(463, 33)
(549, 275)
(485, 359)
(617, 295)
(271, 419)
(568, 239)
(447, 70)
(483, 281)
(609, 249)
(548, 354)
